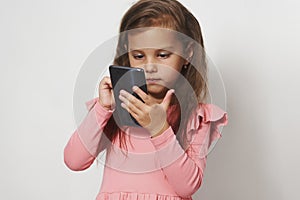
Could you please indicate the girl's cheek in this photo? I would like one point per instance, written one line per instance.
(134, 63)
(172, 79)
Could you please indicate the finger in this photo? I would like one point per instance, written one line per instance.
(166, 101)
(113, 102)
(133, 114)
(140, 117)
(140, 92)
(105, 83)
(108, 81)
(129, 103)
(133, 100)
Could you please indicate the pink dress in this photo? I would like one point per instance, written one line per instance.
(155, 168)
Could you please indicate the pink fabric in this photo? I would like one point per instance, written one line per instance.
(154, 168)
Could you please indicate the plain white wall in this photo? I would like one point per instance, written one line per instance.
(254, 44)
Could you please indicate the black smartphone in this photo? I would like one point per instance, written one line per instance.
(125, 78)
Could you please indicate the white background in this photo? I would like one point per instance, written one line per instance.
(254, 43)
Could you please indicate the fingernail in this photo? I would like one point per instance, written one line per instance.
(134, 88)
(123, 105)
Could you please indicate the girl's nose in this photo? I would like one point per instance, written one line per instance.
(150, 66)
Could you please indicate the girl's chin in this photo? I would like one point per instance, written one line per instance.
(157, 89)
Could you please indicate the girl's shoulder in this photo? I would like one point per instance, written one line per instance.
(210, 112)
(205, 122)
(207, 113)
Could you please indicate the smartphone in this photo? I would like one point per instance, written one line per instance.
(123, 77)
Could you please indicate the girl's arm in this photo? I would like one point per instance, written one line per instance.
(184, 169)
(83, 146)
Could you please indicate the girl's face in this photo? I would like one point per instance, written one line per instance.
(158, 53)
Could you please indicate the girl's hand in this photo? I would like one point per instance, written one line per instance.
(151, 117)
(106, 97)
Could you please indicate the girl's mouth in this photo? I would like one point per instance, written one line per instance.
(152, 80)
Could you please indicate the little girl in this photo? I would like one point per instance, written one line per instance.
(166, 156)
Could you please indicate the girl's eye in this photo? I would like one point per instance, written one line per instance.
(138, 56)
(163, 55)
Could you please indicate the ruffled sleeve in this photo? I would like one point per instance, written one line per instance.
(87, 140)
(205, 127)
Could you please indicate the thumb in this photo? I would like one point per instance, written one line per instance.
(166, 101)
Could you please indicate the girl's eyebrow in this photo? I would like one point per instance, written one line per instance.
(135, 49)
(170, 48)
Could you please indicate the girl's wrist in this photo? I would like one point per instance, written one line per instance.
(108, 108)
(165, 127)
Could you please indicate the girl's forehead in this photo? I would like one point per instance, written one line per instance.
(155, 39)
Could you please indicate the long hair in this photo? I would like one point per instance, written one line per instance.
(172, 15)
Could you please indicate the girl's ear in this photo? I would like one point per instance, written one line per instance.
(189, 52)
